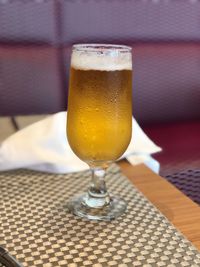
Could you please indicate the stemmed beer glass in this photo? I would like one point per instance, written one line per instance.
(99, 121)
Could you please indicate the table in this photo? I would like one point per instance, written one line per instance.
(38, 230)
(179, 209)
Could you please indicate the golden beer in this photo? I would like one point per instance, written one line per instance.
(99, 113)
(99, 121)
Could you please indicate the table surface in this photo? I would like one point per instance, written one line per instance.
(40, 232)
(178, 208)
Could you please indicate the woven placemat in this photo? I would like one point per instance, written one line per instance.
(36, 229)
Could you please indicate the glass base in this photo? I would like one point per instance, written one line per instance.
(112, 210)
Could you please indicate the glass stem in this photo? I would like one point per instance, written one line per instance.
(98, 196)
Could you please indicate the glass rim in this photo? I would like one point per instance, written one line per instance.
(95, 47)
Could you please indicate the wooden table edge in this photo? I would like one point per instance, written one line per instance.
(181, 211)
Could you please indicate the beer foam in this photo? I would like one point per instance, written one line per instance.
(104, 62)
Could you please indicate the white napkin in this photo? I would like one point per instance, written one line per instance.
(43, 146)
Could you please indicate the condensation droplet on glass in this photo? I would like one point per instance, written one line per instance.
(88, 108)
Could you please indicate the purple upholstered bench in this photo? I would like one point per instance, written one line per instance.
(188, 182)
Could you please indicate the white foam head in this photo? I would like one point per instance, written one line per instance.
(104, 60)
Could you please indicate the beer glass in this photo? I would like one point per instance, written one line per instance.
(99, 121)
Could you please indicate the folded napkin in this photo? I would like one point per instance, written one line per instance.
(43, 146)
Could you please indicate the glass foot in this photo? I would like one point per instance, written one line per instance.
(108, 212)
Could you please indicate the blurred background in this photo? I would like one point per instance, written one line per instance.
(35, 46)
